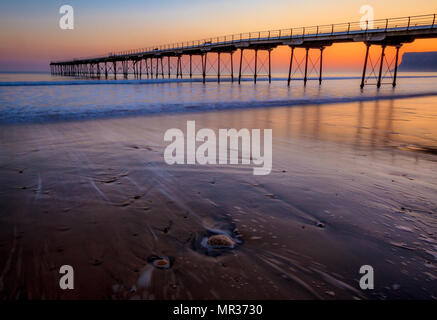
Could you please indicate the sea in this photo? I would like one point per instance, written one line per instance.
(39, 97)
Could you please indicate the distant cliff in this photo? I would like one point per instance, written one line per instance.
(419, 61)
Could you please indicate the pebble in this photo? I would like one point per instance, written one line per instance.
(220, 241)
(162, 262)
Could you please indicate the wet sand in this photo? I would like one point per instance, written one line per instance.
(352, 184)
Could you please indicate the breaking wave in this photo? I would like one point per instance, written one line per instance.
(17, 115)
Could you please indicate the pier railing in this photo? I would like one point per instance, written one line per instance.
(393, 24)
(349, 28)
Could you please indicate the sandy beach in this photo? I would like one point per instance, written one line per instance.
(352, 184)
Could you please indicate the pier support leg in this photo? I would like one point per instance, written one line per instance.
(162, 69)
(141, 67)
(396, 65)
(126, 71)
(270, 66)
(156, 68)
(241, 64)
(115, 69)
(363, 78)
(218, 67)
(256, 66)
(137, 69)
(378, 85)
(178, 67)
(232, 67)
(168, 66)
(191, 66)
(305, 78)
(204, 59)
(150, 65)
(321, 65)
(106, 70)
(291, 66)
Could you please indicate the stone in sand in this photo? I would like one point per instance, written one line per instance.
(161, 263)
(220, 241)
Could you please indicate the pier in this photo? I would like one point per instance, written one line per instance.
(159, 61)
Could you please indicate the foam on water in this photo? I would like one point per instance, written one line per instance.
(35, 98)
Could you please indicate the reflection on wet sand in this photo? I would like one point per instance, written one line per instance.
(343, 193)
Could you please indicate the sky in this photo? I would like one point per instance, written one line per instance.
(30, 36)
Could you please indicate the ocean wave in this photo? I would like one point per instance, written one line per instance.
(53, 114)
(162, 81)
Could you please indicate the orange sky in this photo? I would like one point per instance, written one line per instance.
(33, 38)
